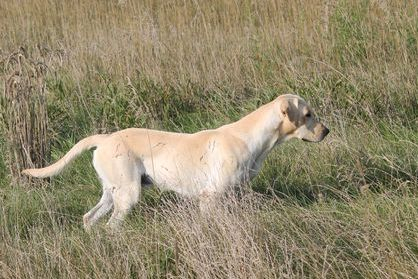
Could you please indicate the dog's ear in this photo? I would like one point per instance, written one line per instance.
(289, 111)
(284, 107)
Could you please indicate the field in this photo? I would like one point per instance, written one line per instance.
(343, 208)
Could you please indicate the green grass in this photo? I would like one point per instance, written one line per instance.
(344, 208)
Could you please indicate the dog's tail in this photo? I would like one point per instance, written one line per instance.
(76, 150)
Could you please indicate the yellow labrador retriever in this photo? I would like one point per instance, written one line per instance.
(202, 165)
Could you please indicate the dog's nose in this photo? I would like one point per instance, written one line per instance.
(326, 132)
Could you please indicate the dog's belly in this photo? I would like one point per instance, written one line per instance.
(191, 178)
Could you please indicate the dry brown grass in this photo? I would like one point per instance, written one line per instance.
(220, 43)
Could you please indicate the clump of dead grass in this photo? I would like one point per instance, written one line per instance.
(24, 117)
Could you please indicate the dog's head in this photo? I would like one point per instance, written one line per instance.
(299, 121)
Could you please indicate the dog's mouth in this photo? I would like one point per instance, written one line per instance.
(324, 133)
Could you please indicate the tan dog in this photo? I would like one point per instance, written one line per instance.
(201, 165)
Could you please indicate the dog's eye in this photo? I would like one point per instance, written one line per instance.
(308, 115)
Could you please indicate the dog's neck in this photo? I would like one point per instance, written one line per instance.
(259, 129)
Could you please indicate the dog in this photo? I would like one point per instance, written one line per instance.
(202, 165)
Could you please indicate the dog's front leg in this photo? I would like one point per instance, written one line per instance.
(207, 201)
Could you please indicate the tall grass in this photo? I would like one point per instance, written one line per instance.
(343, 208)
(252, 238)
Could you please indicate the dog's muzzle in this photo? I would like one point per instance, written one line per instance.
(324, 133)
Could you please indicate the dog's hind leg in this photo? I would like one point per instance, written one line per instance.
(121, 174)
(124, 198)
(103, 207)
